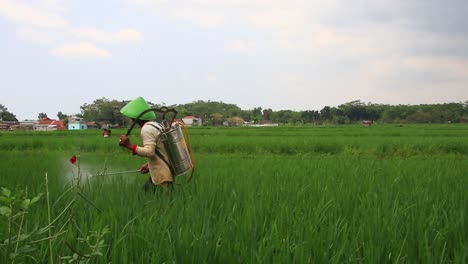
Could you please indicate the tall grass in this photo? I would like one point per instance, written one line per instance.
(274, 195)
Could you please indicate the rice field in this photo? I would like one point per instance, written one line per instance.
(311, 194)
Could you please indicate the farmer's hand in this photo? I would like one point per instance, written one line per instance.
(144, 169)
(125, 141)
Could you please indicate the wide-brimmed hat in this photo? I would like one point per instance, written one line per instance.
(134, 108)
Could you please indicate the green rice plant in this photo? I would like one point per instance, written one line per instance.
(311, 194)
(16, 244)
(21, 243)
(95, 244)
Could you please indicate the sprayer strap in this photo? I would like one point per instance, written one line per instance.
(158, 126)
(160, 155)
(158, 152)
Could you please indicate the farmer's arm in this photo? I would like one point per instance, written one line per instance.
(147, 150)
(149, 135)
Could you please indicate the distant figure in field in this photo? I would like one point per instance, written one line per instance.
(106, 133)
(367, 123)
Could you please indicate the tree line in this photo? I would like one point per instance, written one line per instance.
(214, 113)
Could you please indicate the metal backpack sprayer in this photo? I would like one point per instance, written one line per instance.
(181, 158)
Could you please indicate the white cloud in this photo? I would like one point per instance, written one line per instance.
(200, 18)
(83, 49)
(281, 16)
(212, 77)
(268, 20)
(123, 35)
(44, 22)
(388, 68)
(241, 46)
(128, 34)
(347, 48)
(192, 12)
(434, 65)
(42, 15)
(35, 35)
(370, 45)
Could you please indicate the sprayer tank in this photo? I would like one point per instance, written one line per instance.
(177, 150)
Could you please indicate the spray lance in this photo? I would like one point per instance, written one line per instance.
(74, 160)
(115, 173)
(181, 159)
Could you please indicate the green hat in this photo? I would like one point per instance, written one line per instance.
(136, 107)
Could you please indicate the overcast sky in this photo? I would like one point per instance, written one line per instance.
(299, 55)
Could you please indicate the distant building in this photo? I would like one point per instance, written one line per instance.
(27, 124)
(47, 124)
(15, 125)
(45, 127)
(92, 125)
(7, 125)
(76, 123)
(367, 123)
(261, 125)
(192, 121)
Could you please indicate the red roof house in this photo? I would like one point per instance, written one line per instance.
(47, 121)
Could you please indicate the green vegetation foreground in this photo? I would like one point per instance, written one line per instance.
(260, 195)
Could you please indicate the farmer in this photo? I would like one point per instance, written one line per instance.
(107, 132)
(153, 147)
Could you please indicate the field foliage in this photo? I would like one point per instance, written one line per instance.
(310, 194)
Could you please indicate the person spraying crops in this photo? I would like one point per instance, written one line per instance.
(157, 165)
(164, 144)
(106, 132)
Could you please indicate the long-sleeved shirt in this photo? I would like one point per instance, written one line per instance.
(152, 141)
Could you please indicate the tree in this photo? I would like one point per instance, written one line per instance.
(397, 113)
(375, 111)
(206, 109)
(61, 116)
(181, 110)
(5, 115)
(420, 116)
(286, 117)
(354, 110)
(246, 115)
(214, 113)
(104, 110)
(235, 121)
(41, 116)
(257, 114)
(310, 116)
(267, 114)
(216, 119)
(325, 113)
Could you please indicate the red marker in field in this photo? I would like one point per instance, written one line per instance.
(73, 160)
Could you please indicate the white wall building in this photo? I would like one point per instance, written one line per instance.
(76, 123)
(192, 121)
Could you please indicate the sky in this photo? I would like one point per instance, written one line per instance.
(285, 55)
